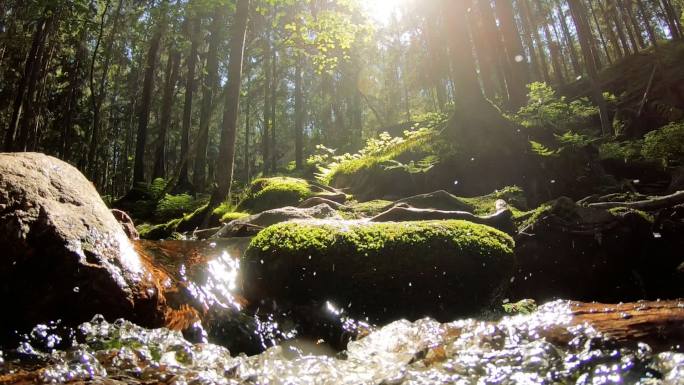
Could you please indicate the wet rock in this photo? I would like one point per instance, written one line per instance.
(380, 270)
(251, 225)
(501, 220)
(126, 224)
(438, 200)
(585, 253)
(64, 255)
(317, 200)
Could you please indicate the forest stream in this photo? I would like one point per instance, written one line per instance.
(560, 342)
(328, 192)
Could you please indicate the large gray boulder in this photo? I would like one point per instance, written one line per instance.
(63, 254)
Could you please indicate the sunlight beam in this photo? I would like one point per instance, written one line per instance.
(381, 11)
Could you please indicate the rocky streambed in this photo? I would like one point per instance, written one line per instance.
(560, 343)
(321, 300)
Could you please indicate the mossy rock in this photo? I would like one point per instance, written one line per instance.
(358, 210)
(270, 193)
(565, 250)
(382, 271)
(479, 205)
(140, 202)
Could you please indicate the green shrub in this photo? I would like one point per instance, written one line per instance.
(175, 206)
(383, 149)
(629, 150)
(665, 144)
(157, 188)
(547, 110)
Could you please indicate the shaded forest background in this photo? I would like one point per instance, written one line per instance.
(131, 91)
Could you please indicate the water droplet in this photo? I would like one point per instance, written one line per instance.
(455, 182)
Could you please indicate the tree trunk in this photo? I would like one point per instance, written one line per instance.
(183, 183)
(248, 107)
(274, 96)
(97, 96)
(226, 156)
(28, 120)
(494, 45)
(208, 87)
(30, 67)
(515, 55)
(145, 103)
(626, 5)
(484, 61)
(535, 15)
(672, 19)
(646, 19)
(172, 68)
(265, 137)
(574, 57)
(579, 16)
(613, 14)
(299, 115)
(75, 85)
(556, 60)
(528, 27)
(602, 39)
(612, 37)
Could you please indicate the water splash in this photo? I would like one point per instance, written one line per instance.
(545, 347)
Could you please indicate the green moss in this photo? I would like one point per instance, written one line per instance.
(486, 204)
(156, 232)
(524, 219)
(622, 211)
(175, 206)
(456, 263)
(270, 193)
(358, 210)
(414, 239)
(223, 209)
(665, 144)
(227, 217)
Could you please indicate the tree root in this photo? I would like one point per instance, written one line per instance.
(649, 204)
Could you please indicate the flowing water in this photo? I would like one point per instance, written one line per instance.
(546, 346)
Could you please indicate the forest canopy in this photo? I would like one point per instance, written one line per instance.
(132, 91)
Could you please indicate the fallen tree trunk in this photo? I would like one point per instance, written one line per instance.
(649, 204)
(658, 323)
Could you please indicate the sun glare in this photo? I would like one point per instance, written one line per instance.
(382, 10)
